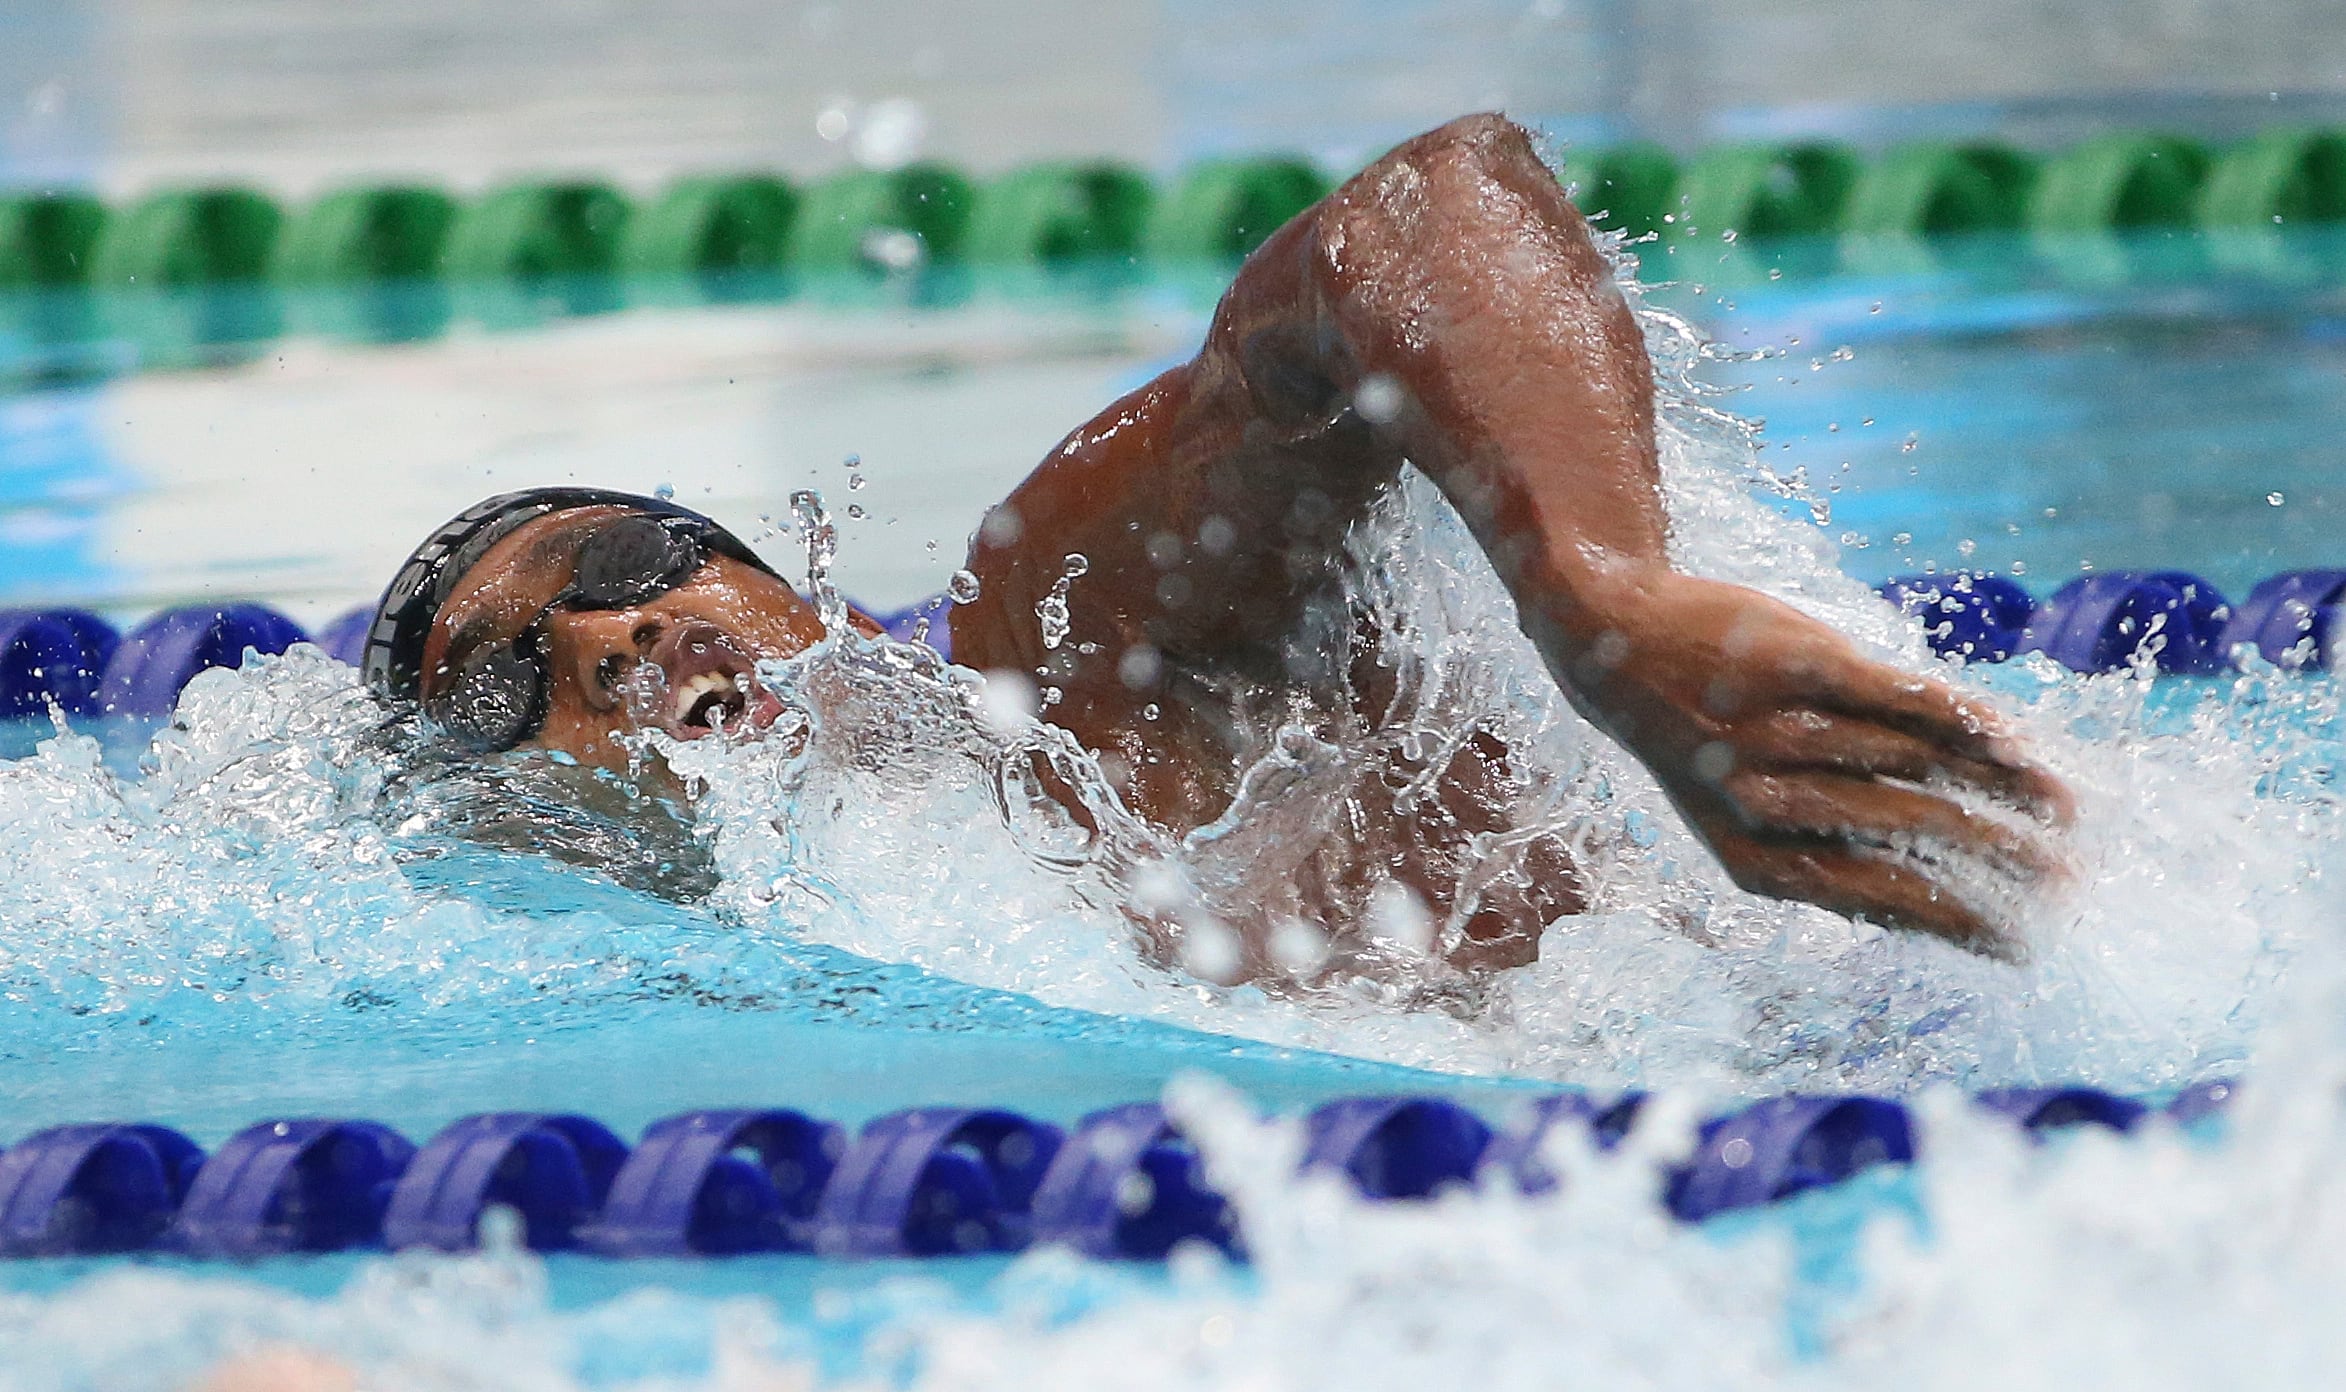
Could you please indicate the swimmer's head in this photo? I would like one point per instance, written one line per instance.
(562, 618)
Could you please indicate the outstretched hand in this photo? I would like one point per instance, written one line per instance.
(1813, 772)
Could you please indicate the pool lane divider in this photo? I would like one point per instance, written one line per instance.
(1060, 212)
(1123, 1184)
(2171, 620)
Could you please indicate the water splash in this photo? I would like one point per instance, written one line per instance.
(822, 552)
(1051, 609)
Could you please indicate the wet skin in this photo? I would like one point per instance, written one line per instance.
(1446, 308)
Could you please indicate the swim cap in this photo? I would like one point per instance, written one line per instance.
(394, 657)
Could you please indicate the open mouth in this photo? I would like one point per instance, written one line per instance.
(711, 685)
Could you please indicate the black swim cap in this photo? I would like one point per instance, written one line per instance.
(394, 658)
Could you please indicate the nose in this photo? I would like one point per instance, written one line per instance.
(595, 648)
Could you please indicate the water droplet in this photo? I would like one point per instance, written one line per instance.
(855, 510)
(822, 548)
(1150, 711)
(2274, 498)
(1378, 399)
(890, 133)
(962, 588)
(1876, 309)
(666, 492)
(1907, 445)
(1902, 538)
(1051, 609)
(894, 249)
(2020, 567)
(1966, 547)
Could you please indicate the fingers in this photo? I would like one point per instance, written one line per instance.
(1968, 739)
(1927, 709)
(1811, 805)
(1879, 891)
(1819, 740)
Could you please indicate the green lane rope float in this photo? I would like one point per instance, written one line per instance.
(1629, 188)
(363, 234)
(539, 230)
(711, 225)
(1056, 213)
(1226, 208)
(897, 218)
(188, 237)
(2280, 176)
(1767, 191)
(1934, 189)
(48, 238)
(2119, 181)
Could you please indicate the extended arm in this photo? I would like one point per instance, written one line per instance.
(1447, 307)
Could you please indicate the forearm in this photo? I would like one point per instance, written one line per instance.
(1474, 322)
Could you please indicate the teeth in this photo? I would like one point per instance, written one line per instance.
(689, 694)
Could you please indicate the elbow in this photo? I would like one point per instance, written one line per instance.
(1427, 186)
(1485, 143)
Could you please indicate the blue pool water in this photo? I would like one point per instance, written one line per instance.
(264, 913)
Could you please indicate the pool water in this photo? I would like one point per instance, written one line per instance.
(262, 913)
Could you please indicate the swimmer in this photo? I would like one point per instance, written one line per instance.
(1446, 310)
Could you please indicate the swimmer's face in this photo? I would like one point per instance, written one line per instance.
(682, 661)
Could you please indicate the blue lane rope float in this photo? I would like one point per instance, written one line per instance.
(554, 1171)
(2100, 623)
(53, 656)
(1127, 1183)
(714, 1182)
(1396, 1147)
(1979, 618)
(1123, 1183)
(93, 1188)
(291, 1186)
(2293, 619)
(1786, 1146)
(2051, 1108)
(157, 660)
(935, 1181)
(1515, 1152)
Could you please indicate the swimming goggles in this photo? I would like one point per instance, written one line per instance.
(496, 695)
